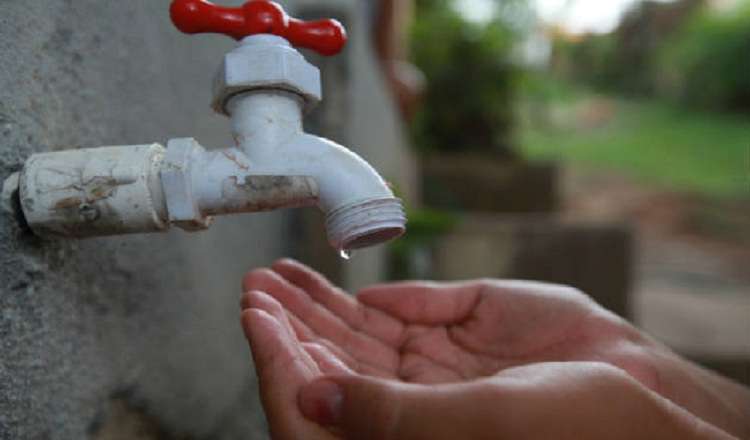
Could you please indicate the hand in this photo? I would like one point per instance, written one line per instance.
(429, 333)
(563, 401)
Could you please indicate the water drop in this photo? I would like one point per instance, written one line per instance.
(346, 254)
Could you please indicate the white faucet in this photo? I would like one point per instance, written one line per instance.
(264, 86)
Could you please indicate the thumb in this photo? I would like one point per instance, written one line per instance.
(367, 408)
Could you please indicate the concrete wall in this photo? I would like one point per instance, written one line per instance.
(104, 338)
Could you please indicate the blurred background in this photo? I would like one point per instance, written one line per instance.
(600, 144)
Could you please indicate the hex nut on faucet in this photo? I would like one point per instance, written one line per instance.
(265, 62)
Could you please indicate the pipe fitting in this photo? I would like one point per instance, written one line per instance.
(94, 192)
(177, 183)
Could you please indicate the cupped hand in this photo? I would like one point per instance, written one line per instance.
(301, 327)
(437, 333)
(551, 400)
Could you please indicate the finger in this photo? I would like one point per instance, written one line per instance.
(302, 331)
(317, 319)
(366, 408)
(327, 362)
(304, 334)
(271, 347)
(371, 321)
(322, 322)
(280, 372)
(262, 301)
(424, 303)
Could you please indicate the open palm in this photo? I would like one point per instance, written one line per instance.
(438, 333)
(302, 327)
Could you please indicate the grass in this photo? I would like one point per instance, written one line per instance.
(656, 142)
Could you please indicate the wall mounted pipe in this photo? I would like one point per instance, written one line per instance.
(264, 85)
(148, 188)
(121, 190)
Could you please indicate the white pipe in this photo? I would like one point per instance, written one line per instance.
(361, 209)
(143, 188)
(267, 126)
(264, 119)
(94, 192)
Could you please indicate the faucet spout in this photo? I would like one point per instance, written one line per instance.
(264, 119)
(361, 210)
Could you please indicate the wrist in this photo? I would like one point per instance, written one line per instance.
(705, 394)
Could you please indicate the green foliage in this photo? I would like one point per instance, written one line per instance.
(593, 61)
(707, 64)
(469, 101)
(424, 226)
(678, 51)
(660, 143)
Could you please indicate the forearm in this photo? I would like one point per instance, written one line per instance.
(713, 398)
(703, 393)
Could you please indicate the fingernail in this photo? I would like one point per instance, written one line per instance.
(321, 402)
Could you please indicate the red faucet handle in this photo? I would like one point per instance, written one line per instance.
(326, 37)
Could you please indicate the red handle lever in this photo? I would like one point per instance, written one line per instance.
(326, 37)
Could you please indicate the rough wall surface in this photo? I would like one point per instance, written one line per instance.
(151, 321)
(138, 337)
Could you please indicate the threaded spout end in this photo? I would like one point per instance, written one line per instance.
(365, 223)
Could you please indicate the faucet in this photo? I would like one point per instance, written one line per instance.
(264, 86)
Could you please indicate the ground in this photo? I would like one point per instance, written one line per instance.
(667, 145)
(693, 287)
(682, 178)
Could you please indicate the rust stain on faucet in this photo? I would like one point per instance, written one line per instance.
(265, 193)
(229, 155)
(93, 190)
(68, 202)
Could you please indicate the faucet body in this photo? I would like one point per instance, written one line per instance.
(264, 86)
